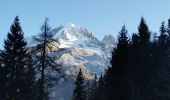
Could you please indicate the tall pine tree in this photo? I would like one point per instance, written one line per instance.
(143, 63)
(13, 59)
(93, 90)
(44, 60)
(116, 80)
(79, 91)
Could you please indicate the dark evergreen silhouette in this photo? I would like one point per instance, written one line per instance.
(141, 60)
(100, 88)
(116, 82)
(93, 91)
(160, 71)
(3, 81)
(119, 62)
(14, 66)
(163, 35)
(144, 33)
(79, 91)
(168, 33)
(31, 88)
(168, 27)
(88, 89)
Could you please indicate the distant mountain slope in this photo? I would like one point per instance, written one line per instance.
(81, 49)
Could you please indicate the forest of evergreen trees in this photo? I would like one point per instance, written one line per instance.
(139, 68)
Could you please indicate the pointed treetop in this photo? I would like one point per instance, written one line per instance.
(162, 28)
(123, 34)
(95, 76)
(143, 26)
(16, 18)
(15, 27)
(169, 23)
(168, 28)
(80, 72)
(16, 21)
(143, 32)
(163, 35)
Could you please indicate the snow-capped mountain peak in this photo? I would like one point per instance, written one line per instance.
(80, 50)
(72, 36)
(108, 43)
(71, 25)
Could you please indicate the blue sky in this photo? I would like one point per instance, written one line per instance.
(100, 16)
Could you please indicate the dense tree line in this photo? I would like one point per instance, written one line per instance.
(140, 68)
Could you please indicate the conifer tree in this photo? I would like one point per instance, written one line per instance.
(100, 88)
(160, 71)
(168, 32)
(168, 28)
(162, 42)
(44, 61)
(93, 89)
(120, 67)
(79, 91)
(3, 81)
(116, 81)
(88, 89)
(13, 59)
(144, 33)
(143, 63)
(30, 89)
(163, 35)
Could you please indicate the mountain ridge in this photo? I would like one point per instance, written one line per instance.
(81, 50)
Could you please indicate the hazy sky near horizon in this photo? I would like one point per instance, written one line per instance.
(100, 16)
